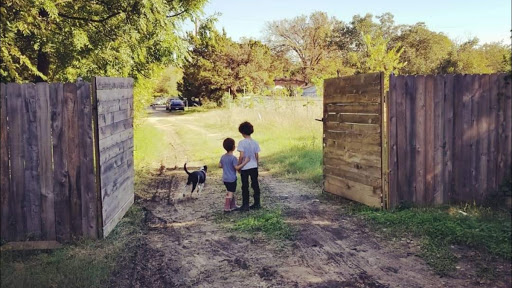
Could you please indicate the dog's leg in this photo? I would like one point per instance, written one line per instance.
(183, 190)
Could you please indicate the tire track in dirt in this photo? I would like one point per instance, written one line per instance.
(184, 244)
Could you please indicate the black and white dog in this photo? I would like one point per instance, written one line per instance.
(196, 178)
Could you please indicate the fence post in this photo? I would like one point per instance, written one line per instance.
(97, 167)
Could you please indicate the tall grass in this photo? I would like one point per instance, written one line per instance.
(289, 137)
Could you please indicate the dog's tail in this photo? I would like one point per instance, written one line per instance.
(185, 167)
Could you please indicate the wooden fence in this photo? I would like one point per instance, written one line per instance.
(353, 137)
(114, 98)
(449, 137)
(48, 175)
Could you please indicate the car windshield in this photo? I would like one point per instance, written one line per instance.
(179, 102)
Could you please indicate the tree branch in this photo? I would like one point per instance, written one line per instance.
(89, 19)
(177, 14)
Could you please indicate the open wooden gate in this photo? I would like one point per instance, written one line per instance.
(353, 138)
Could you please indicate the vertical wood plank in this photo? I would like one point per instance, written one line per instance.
(420, 140)
(474, 136)
(410, 123)
(45, 161)
(448, 138)
(467, 138)
(4, 167)
(384, 144)
(60, 170)
(508, 123)
(32, 200)
(439, 125)
(15, 115)
(71, 110)
(401, 134)
(492, 179)
(457, 193)
(429, 139)
(97, 160)
(483, 135)
(87, 177)
(502, 130)
(392, 141)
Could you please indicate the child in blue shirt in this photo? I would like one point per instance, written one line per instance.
(229, 164)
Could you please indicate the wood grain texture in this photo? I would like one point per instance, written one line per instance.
(456, 130)
(410, 124)
(4, 169)
(87, 177)
(61, 185)
(114, 131)
(392, 142)
(448, 138)
(492, 167)
(71, 110)
(429, 139)
(45, 161)
(32, 198)
(15, 115)
(438, 141)
(353, 137)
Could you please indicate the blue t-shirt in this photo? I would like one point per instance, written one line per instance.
(228, 163)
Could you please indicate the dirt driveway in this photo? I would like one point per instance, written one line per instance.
(185, 244)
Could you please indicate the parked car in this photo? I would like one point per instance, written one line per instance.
(175, 104)
(159, 102)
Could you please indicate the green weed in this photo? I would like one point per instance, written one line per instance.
(268, 222)
(439, 228)
(83, 264)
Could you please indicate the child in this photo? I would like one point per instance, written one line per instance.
(229, 165)
(249, 149)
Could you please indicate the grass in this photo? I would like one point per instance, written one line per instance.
(84, 264)
(481, 229)
(150, 145)
(289, 137)
(268, 222)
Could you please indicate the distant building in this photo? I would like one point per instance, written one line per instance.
(289, 82)
(309, 91)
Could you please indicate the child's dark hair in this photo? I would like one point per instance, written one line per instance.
(228, 144)
(246, 128)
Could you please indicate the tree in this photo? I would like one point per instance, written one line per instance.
(470, 58)
(306, 41)
(59, 40)
(423, 50)
(218, 65)
(378, 57)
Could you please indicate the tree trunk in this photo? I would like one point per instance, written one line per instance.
(43, 58)
(43, 64)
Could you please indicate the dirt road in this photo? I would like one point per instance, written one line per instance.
(185, 244)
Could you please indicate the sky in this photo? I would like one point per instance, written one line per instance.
(489, 20)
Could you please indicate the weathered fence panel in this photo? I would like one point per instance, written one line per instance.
(352, 137)
(450, 137)
(114, 100)
(50, 179)
(49, 189)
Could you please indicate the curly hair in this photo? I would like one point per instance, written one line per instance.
(246, 128)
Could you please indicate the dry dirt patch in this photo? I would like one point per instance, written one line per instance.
(184, 245)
